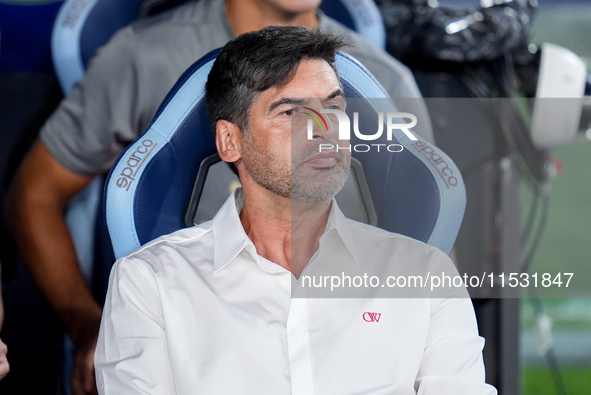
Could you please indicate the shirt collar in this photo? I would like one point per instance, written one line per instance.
(230, 239)
(337, 226)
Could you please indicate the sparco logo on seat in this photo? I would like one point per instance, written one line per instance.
(443, 167)
(134, 163)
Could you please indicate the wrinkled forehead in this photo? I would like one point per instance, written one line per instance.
(313, 78)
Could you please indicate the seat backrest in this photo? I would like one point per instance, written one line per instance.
(81, 27)
(418, 192)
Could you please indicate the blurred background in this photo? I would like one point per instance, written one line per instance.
(456, 49)
(566, 240)
(555, 334)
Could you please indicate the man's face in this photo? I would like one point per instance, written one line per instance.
(276, 152)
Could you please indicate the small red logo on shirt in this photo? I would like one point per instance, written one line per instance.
(371, 317)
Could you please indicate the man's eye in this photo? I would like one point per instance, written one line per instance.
(289, 112)
(335, 106)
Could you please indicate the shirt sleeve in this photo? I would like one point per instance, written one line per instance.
(132, 353)
(452, 361)
(100, 116)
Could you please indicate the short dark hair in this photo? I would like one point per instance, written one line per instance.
(257, 61)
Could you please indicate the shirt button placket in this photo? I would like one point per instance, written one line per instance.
(298, 344)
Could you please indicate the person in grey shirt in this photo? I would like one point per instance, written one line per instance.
(112, 106)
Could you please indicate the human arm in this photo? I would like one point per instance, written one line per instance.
(452, 360)
(83, 137)
(36, 202)
(131, 355)
(1, 300)
(4, 367)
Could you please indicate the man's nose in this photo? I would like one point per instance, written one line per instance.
(317, 124)
(338, 123)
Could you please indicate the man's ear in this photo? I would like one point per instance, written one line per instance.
(228, 140)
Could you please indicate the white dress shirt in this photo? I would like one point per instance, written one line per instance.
(199, 312)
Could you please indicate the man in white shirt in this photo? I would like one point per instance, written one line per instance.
(111, 107)
(212, 309)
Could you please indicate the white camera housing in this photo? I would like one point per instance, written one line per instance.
(562, 76)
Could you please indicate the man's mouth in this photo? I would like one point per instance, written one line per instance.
(324, 159)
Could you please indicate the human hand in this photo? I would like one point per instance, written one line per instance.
(83, 381)
(4, 367)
